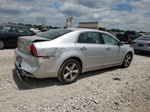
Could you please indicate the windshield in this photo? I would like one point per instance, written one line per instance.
(147, 38)
(54, 33)
(1, 28)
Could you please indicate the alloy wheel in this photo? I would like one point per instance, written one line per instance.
(71, 71)
(127, 60)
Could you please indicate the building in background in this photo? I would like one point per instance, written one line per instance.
(93, 25)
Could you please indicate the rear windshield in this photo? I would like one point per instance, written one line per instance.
(147, 38)
(130, 32)
(53, 33)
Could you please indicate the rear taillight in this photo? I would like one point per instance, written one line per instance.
(33, 50)
(129, 36)
(18, 44)
(149, 44)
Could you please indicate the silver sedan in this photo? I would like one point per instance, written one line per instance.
(66, 53)
(141, 44)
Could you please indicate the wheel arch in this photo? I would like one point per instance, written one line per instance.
(60, 69)
(2, 40)
(75, 58)
(127, 50)
(131, 52)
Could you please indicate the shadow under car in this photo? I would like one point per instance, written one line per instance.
(33, 83)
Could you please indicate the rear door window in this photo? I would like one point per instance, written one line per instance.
(8, 29)
(13, 30)
(90, 37)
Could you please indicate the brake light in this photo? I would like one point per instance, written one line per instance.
(129, 36)
(18, 44)
(149, 44)
(33, 50)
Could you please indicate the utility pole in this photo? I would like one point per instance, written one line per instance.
(44, 24)
(69, 21)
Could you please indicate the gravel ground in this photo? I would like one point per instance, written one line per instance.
(108, 90)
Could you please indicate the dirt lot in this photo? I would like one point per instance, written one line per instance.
(108, 90)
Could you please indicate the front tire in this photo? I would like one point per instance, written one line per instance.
(127, 60)
(69, 71)
(2, 44)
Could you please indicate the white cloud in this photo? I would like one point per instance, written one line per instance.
(34, 11)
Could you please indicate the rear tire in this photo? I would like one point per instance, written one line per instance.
(69, 71)
(2, 44)
(127, 60)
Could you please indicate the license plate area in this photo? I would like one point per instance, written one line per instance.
(140, 45)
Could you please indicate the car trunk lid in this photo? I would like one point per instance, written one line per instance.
(25, 42)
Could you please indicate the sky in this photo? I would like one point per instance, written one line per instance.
(118, 14)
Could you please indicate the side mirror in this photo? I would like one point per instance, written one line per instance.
(120, 43)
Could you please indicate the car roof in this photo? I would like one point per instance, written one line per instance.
(84, 29)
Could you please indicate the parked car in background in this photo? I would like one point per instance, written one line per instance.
(35, 30)
(127, 36)
(120, 36)
(10, 33)
(44, 29)
(141, 44)
(67, 53)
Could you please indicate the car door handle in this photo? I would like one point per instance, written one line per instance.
(108, 48)
(83, 48)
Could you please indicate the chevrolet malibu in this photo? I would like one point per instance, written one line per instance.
(66, 53)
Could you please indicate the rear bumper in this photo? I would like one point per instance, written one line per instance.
(21, 72)
(140, 48)
(30, 66)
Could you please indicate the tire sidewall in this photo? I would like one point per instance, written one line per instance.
(3, 44)
(60, 74)
(124, 64)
